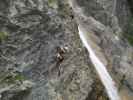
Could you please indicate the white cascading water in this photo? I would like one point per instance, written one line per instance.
(101, 69)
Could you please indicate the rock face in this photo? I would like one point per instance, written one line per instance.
(43, 47)
(102, 22)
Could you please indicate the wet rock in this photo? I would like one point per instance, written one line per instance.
(116, 50)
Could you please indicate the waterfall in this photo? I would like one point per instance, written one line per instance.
(101, 69)
(114, 7)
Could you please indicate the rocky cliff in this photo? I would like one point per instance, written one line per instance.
(106, 23)
(42, 56)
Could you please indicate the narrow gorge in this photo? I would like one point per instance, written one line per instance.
(66, 50)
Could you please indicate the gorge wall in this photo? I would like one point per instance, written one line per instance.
(43, 58)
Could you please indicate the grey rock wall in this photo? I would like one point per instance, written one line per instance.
(44, 47)
(105, 33)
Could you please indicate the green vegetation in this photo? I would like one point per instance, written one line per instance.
(10, 78)
(19, 77)
(3, 36)
(53, 3)
(129, 38)
(129, 32)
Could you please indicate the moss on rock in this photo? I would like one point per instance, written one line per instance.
(3, 36)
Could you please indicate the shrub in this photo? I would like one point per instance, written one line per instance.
(129, 32)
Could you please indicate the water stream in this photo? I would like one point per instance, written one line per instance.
(101, 69)
(114, 7)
